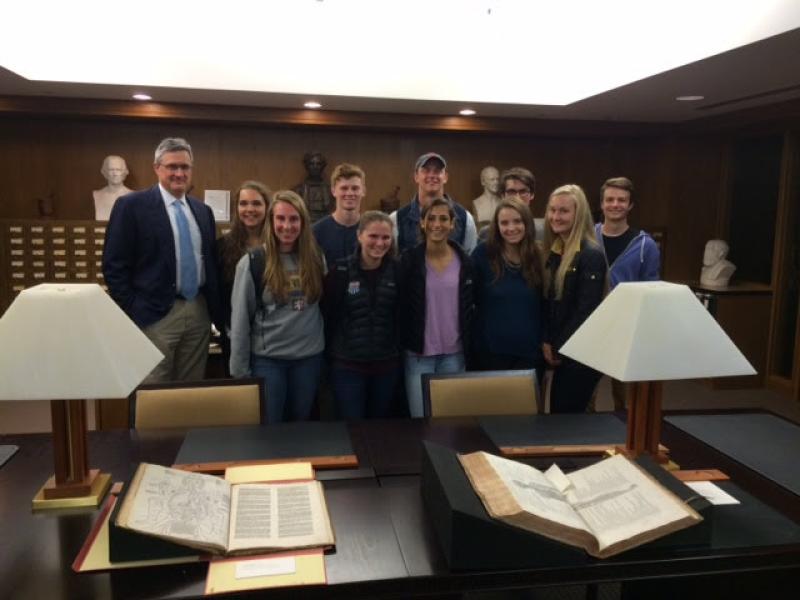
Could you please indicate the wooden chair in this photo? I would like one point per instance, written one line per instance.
(206, 403)
(476, 393)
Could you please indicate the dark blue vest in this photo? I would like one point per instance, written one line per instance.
(366, 328)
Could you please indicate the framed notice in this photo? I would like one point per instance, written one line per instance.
(219, 201)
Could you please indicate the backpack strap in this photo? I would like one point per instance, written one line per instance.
(258, 262)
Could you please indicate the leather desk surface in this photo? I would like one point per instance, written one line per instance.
(385, 545)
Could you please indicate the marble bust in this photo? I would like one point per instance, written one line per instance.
(487, 202)
(717, 270)
(115, 171)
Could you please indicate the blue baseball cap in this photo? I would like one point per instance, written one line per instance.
(429, 156)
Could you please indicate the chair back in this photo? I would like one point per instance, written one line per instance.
(478, 393)
(207, 403)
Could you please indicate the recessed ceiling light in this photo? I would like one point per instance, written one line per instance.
(142, 97)
(467, 112)
(312, 104)
(689, 98)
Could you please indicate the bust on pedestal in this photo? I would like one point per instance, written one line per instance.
(115, 171)
(486, 203)
(716, 271)
(315, 191)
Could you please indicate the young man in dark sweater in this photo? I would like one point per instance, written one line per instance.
(336, 233)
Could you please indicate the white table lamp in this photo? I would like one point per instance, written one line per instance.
(648, 332)
(67, 343)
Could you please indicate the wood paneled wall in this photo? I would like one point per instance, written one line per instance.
(680, 179)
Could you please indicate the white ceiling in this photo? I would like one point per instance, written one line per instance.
(621, 60)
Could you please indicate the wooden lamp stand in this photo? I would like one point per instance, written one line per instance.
(74, 484)
(644, 421)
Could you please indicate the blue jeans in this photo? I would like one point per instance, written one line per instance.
(291, 385)
(416, 365)
(363, 395)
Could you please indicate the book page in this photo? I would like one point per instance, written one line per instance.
(174, 504)
(556, 476)
(534, 492)
(282, 515)
(618, 501)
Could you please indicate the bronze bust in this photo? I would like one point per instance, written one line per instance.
(315, 190)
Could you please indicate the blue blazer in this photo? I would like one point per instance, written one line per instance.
(139, 256)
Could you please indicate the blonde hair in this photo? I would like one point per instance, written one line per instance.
(582, 231)
(346, 171)
(309, 257)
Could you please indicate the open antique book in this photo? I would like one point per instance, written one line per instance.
(605, 508)
(211, 514)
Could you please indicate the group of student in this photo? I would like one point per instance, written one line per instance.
(301, 296)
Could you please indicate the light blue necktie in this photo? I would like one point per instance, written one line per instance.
(188, 267)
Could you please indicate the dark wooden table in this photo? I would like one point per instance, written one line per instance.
(385, 545)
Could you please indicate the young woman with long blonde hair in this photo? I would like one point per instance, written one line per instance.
(574, 283)
(278, 333)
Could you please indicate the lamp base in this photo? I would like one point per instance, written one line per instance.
(97, 491)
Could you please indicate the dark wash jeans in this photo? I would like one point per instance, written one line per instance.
(361, 395)
(291, 385)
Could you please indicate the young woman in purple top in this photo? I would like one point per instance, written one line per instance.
(437, 279)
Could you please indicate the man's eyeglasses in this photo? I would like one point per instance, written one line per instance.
(520, 193)
(173, 168)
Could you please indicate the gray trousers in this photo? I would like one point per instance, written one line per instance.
(182, 335)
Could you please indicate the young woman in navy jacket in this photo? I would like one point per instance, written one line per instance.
(574, 284)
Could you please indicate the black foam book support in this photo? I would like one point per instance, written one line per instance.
(752, 439)
(554, 430)
(472, 540)
(251, 442)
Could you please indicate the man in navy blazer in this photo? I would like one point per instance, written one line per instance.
(159, 264)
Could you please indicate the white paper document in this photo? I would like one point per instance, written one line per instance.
(712, 493)
(219, 201)
(261, 567)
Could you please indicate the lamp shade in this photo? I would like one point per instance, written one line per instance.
(70, 341)
(650, 331)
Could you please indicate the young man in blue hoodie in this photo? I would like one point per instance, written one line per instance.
(631, 254)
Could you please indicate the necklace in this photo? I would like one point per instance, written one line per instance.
(514, 264)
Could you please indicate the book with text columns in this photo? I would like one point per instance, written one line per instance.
(211, 514)
(606, 508)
